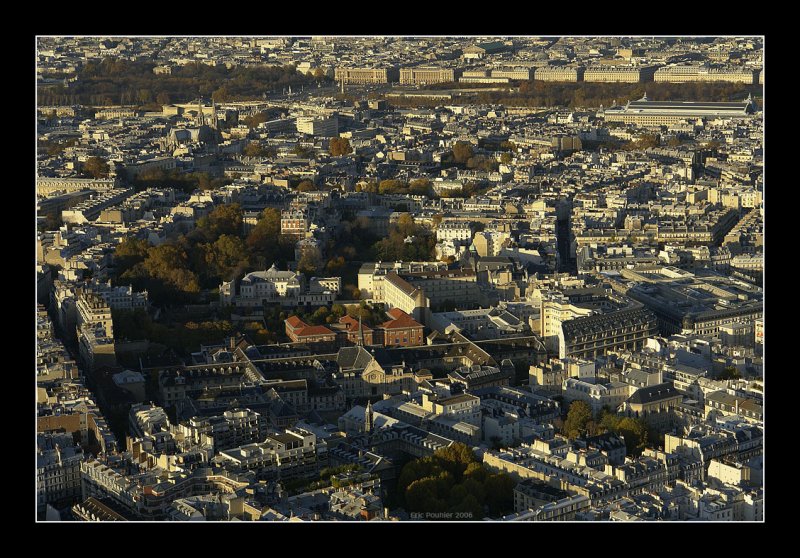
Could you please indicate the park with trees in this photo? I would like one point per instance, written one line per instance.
(580, 422)
(113, 81)
(454, 480)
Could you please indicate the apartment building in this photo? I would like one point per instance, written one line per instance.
(693, 73)
(421, 75)
(351, 75)
(559, 73)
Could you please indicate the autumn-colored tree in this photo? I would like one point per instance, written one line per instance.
(309, 262)
(129, 252)
(392, 186)
(420, 187)
(96, 167)
(405, 225)
(163, 98)
(339, 146)
(221, 94)
(462, 152)
(254, 120)
(225, 255)
(255, 149)
(335, 265)
(167, 264)
(223, 219)
(367, 186)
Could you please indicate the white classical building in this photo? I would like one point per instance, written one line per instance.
(456, 231)
(273, 285)
(597, 395)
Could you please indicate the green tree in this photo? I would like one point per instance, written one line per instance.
(225, 255)
(635, 433)
(499, 490)
(264, 236)
(421, 496)
(304, 152)
(578, 417)
(320, 315)
(338, 310)
(223, 219)
(729, 373)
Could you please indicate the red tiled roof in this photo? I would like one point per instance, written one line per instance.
(295, 322)
(314, 330)
(396, 313)
(401, 320)
(352, 324)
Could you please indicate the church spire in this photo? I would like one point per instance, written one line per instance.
(201, 120)
(369, 419)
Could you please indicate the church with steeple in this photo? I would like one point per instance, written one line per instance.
(198, 131)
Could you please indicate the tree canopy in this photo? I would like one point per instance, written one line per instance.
(256, 149)
(462, 152)
(96, 167)
(578, 418)
(453, 480)
(339, 146)
(117, 81)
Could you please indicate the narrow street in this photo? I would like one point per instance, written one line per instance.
(568, 264)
